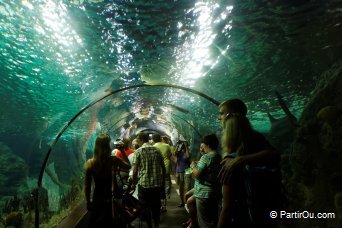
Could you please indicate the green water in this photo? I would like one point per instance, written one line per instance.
(58, 56)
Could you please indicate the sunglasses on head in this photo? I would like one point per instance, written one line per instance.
(230, 114)
(227, 116)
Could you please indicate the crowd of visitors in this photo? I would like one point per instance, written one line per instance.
(209, 187)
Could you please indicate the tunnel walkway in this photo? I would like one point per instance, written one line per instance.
(173, 217)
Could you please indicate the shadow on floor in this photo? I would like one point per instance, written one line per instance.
(173, 217)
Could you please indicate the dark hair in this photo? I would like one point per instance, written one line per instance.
(156, 137)
(211, 141)
(102, 149)
(143, 136)
(165, 138)
(126, 142)
(235, 106)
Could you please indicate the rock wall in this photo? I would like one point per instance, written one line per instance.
(315, 183)
(13, 171)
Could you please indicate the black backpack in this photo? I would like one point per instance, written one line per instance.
(258, 191)
(209, 175)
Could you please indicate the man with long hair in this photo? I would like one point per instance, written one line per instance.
(242, 145)
(238, 136)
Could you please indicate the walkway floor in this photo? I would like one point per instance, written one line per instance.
(173, 217)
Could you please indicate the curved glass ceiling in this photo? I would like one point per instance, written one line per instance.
(58, 56)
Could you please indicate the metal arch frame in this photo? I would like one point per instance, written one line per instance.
(122, 118)
(40, 178)
(192, 126)
(187, 122)
(129, 114)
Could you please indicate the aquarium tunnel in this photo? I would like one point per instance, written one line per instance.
(73, 69)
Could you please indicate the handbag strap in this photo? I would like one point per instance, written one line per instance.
(119, 174)
(114, 181)
(114, 205)
(115, 173)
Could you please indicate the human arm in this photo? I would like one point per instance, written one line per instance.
(120, 163)
(135, 171)
(200, 166)
(172, 150)
(132, 159)
(125, 157)
(173, 155)
(223, 220)
(87, 183)
(115, 152)
(128, 131)
(163, 169)
(268, 156)
(168, 153)
(186, 148)
(195, 171)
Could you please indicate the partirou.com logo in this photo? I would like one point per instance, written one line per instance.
(302, 215)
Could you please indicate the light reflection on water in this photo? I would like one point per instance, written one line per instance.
(58, 56)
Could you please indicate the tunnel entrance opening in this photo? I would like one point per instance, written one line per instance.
(40, 178)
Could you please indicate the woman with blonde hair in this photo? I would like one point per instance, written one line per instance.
(101, 169)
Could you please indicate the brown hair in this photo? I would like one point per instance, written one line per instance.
(235, 106)
(156, 137)
(102, 149)
(143, 136)
(211, 140)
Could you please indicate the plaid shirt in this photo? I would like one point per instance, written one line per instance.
(149, 161)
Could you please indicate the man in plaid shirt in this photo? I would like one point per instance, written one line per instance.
(149, 164)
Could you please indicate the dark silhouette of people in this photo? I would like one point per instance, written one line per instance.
(101, 169)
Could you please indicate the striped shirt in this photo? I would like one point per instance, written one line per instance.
(149, 161)
(207, 184)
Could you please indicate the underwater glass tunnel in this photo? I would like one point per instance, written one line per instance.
(71, 69)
